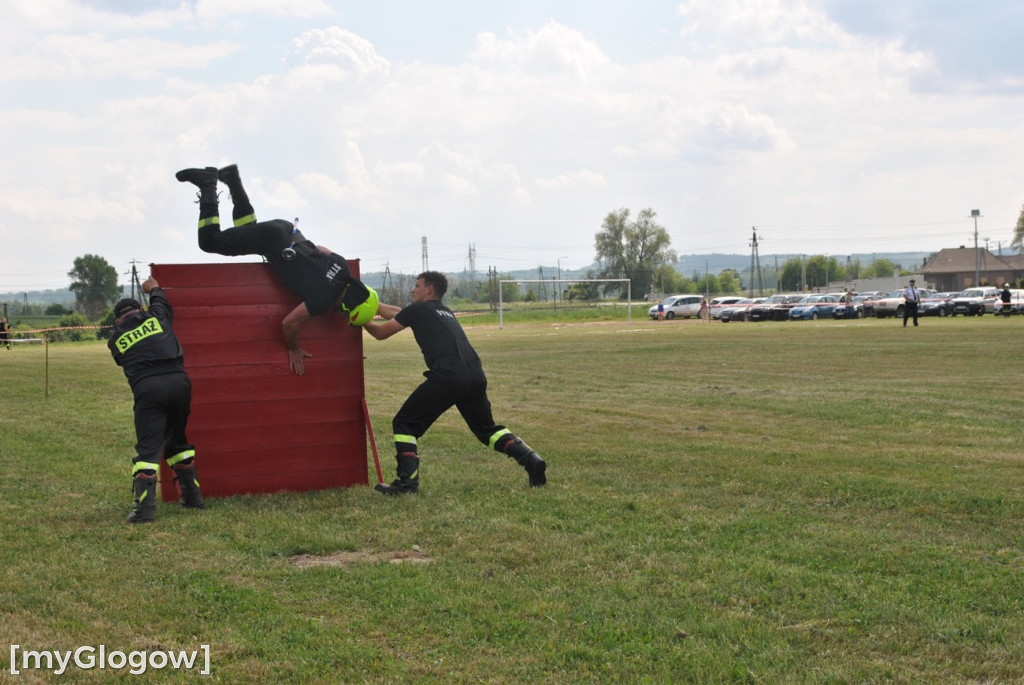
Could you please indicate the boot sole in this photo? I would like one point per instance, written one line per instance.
(393, 492)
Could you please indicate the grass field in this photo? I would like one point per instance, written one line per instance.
(757, 502)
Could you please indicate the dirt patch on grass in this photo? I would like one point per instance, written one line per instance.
(346, 559)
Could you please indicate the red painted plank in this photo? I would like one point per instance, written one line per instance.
(258, 427)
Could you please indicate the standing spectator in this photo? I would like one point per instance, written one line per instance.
(455, 378)
(4, 335)
(1005, 296)
(911, 301)
(144, 345)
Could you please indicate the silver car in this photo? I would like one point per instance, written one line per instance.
(677, 305)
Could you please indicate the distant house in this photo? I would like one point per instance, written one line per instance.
(955, 268)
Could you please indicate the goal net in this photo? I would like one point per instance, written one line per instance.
(628, 282)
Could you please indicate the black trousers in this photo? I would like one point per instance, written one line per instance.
(265, 238)
(462, 387)
(909, 310)
(162, 406)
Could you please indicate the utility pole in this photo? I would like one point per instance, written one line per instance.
(426, 264)
(471, 264)
(755, 266)
(975, 213)
(135, 280)
(492, 279)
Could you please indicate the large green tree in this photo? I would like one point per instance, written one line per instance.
(94, 283)
(881, 268)
(1018, 233)
(791, 275)
(633, 249)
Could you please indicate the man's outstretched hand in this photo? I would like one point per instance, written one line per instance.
(296, 360)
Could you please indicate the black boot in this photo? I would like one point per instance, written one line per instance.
(408, 480)
(145, 499)
(206, 181)
(191, 497)
(528, 459)
(242, 212)
(229, 175)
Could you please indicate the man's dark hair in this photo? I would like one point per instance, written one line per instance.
(436, 279)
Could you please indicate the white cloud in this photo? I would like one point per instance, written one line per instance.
(219, 9)
(336, 46)
(761, 113)
(584, 178)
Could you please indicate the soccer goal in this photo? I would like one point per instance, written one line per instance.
(628, 282)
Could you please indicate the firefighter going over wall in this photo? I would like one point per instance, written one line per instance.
(455, 378)
(145, 347)
(312, 272)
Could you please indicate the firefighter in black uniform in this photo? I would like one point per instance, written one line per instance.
(312, 272)
(144, 345)
(456, 378)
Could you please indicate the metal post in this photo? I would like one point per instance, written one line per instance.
(975, 213)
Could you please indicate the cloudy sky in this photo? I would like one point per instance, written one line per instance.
(516, 126)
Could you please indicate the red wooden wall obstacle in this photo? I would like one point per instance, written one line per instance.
(257, 426)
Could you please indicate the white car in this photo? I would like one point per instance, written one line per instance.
(677, 305)
(975, 301)
(720, 303)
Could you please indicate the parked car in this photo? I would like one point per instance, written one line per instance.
(737, 311)
(975, 301)
(780, 311)
(895, 303)
(853, 310)
(939, 304)
(762, 311)
(777, 310)
(814, 307)
(871, 299)
(717, 304)
(1016, 305)
(678, 305)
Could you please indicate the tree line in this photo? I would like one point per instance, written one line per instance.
(641, 249)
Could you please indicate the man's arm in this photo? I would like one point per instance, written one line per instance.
(383, 331)
(158, 304)
(387, 311)
(291, 323)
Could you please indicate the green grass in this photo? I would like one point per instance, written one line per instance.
(759, 502)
